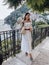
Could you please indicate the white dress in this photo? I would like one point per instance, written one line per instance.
(26, 39)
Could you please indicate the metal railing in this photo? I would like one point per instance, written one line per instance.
(39, 34)
(10, 41)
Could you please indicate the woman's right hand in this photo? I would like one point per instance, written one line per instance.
(24, 27)
(23, 30)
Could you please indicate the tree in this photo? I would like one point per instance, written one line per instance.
(38, 5)
(12, 3)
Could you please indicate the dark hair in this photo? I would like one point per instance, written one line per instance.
(26, 15)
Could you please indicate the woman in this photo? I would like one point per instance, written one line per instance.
(27, 38)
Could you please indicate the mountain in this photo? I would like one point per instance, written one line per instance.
(12, 18)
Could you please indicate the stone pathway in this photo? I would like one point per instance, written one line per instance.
(40, 55)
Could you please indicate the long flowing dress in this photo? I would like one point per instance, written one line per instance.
(27, 39)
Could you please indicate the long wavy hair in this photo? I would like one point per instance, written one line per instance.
(26, 15)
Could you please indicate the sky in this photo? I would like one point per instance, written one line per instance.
(4, 10)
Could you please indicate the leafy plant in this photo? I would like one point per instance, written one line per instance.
(12, 3)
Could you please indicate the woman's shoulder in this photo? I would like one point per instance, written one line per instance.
(29, 22)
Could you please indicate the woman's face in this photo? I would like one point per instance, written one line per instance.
(28, 16)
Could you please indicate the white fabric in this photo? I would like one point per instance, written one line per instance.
(26, 39)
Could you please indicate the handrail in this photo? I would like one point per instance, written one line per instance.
(11, 45)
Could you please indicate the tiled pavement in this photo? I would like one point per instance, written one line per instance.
(40, 55)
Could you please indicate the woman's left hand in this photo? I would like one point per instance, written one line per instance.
(31, 28)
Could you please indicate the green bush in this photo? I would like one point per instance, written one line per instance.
(40, 23)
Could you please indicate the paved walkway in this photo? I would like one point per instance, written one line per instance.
(40, 55)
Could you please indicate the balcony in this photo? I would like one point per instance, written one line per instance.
(10, 47)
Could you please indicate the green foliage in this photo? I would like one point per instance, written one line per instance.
(38, 5)
(40, 23)
(9, 45)
(33, 2)
(43, 26)
(12, 3)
